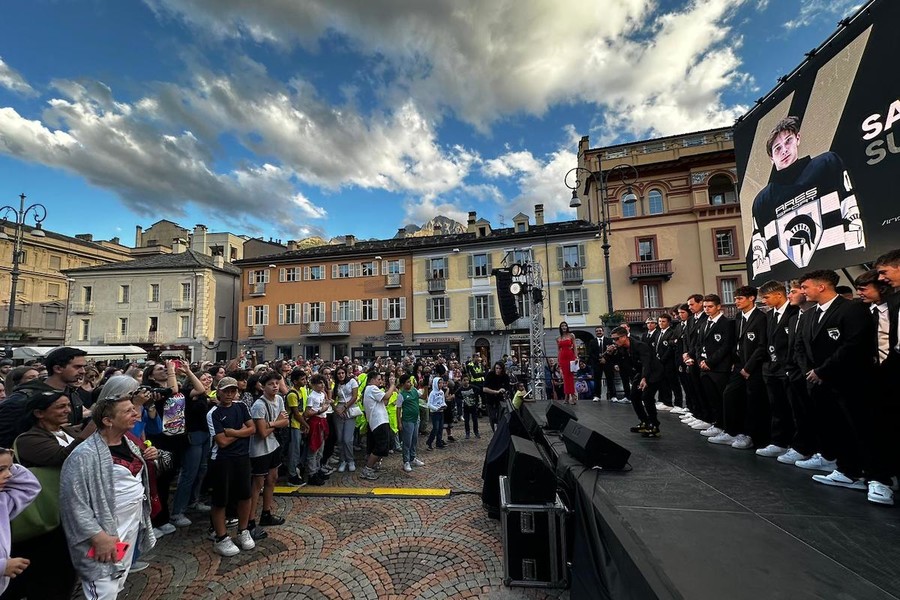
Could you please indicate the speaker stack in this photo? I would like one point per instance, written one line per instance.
(531, 480)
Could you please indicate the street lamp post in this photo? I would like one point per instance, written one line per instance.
(39, 213)
(600, 180)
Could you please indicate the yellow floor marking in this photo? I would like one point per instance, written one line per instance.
(372, 492)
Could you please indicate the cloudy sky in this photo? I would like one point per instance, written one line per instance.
(286, 118)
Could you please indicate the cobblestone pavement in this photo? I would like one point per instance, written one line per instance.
(354, 548)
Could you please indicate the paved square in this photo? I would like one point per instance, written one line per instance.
(354, 548)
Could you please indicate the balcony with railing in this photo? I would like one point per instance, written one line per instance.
(130, 338)
(325, 329)
(82, 308)
(521, 323)
(572, 275)
(651, 269)
(179, 305)
(393, 325)
(437, 284)
(392, 280)
(257, 331)
(484, 324)
(257, 289)
(640, 315)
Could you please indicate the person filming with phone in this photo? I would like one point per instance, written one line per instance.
(104, 500)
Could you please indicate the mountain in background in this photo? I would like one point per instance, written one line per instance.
(440, 224)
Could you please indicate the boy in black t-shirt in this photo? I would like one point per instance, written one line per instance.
(231, 429)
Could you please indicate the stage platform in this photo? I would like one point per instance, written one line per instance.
(703, 521)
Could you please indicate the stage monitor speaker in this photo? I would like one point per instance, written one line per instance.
(509, 310)
(523, 423)
(558, 415)
(531, 480)
(592, 449)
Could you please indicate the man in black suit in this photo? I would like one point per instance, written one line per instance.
(667, 352)
(781, 312)
(691, 329)
(836, 349)
(599, 351)
(714, 351)
(883, 412)
(652, 335)
(746, 408)
(888, 268)
(647, 375)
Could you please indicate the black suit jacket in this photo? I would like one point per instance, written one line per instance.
(893, 303)
(841, 348)
(778, 338)
(651, 337)
(751, 345)
(715, 345)
(644, 362)
(692, 329)
(667, 348)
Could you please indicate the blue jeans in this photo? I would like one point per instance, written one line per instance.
(409, 435)
(193, 470)
(296, 452)
(343, 431)
(437, 428)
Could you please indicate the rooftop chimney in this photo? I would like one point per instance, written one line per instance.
(138, 236)
(291, 245)
(538, 214)
(198, 239)
(471, 222)
(85, 237)
(219, 261)
(438, 229)
(179, 245)
(114, 240)
(350, 240)
(401, 233)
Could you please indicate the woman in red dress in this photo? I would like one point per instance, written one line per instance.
(565, 345)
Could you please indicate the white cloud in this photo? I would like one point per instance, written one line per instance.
(487, 60)
(13, 80)
(813, 10)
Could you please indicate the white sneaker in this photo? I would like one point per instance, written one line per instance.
(663, 407)
(701, 425)
(351, 466)
(880, 493)
(245, 540)
(342, 467)
(836, 478)
(791, 457)
(712, 431)
(678, 410)
(165, 529)
(226, 547)
(817, 463)
(417, 463)
(407, 467)
(771, 451)
(595, 399)
(723, 438)
(743, 442)
(200, 507)
(180, 521)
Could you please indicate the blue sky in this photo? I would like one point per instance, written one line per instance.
(289, 118)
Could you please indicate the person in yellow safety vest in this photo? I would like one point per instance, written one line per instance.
(295, 400)
(361, 423)
(392, 420)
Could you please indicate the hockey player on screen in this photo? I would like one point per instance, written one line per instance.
(807, 210)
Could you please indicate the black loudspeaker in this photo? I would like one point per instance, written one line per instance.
(496, 463)
(593, 449)
(558, 415)
(509, 312)
(523, 423)
(531, 480)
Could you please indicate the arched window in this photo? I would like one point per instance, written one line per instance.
(655, 199)
(629, 205)
(721, 190)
